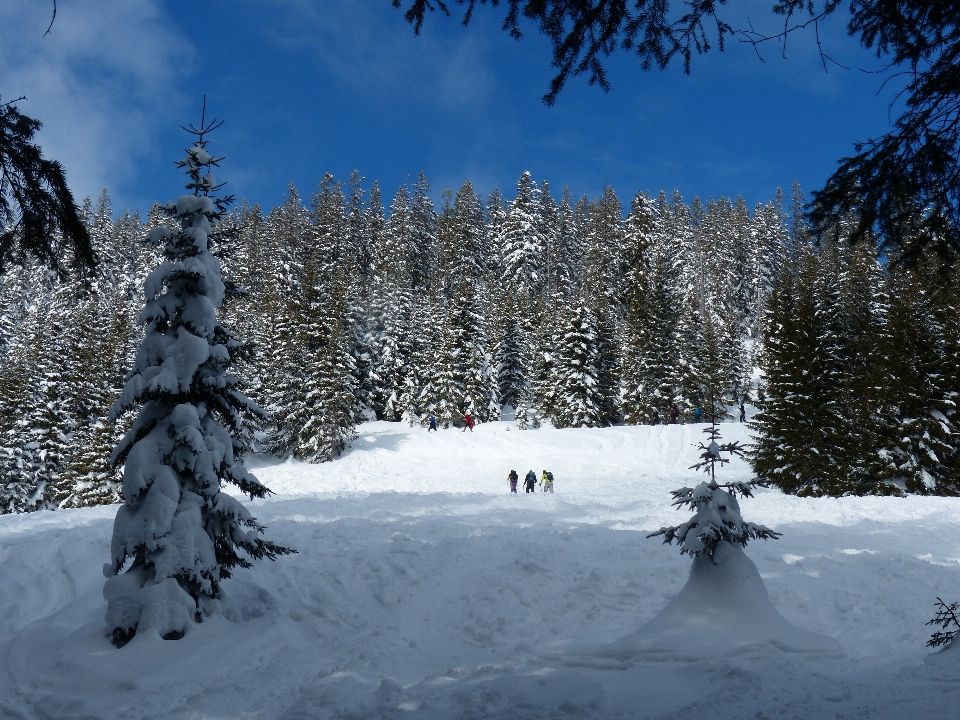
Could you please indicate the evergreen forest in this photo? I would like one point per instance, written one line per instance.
(536, 306)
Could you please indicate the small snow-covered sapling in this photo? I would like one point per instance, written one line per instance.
(947, 616)
(716, 516)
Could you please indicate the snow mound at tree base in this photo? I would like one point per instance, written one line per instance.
(944, 665)
(723, 607)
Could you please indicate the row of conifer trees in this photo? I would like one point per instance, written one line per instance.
(578, 312)
(861, 375)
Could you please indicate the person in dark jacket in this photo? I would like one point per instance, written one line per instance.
(433, 423)
(674, 414)
(513, 477)
(530, 482)
(655, 420)
(743, 413)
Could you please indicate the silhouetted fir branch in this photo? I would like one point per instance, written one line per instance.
(945, 617)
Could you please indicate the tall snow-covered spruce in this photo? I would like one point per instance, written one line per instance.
(177, 536)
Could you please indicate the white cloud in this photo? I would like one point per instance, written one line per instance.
(359, 44)
(101, 82)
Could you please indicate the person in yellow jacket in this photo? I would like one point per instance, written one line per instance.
(546, 481)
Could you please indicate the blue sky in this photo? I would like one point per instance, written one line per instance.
(309, 86)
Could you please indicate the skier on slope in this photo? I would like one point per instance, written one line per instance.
(674, 414)
(433, 423)
(743, 413)
(513, 477)
(697, 414)
(655, 420)
(467, 422)
(530, 482)
(546, 481)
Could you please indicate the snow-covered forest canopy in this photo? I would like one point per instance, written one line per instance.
(577, 312)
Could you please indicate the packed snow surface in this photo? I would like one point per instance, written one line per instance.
(424, 589)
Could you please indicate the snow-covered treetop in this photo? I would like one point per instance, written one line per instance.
(716, 518)
(199, 163)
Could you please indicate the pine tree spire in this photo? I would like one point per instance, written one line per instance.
(177, 536)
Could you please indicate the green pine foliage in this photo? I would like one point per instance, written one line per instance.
(557, 307)
(920, 451)
(579, 400)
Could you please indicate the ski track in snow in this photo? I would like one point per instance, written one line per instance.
(424, 589)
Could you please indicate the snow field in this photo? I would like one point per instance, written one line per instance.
(423, 589)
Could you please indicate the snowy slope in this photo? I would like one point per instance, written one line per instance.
(423, 589)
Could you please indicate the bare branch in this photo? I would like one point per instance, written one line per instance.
(52, 18)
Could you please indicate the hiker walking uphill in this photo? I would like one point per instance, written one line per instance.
(530, 482)
(546, 482)
(513, 477)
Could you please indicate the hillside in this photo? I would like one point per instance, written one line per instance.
(423, 589)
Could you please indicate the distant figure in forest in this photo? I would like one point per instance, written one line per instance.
(697, 414)
(513, 478)
(433, 423)
(467, 422)
(674, 414)
(743, 413)
(530, 482)
(546, 482)
(655, 420)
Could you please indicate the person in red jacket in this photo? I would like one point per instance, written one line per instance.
(467, 422)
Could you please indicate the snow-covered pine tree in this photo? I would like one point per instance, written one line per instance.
(920, 441)
(549, 215)
(653, 301)
(20, 488)
(715, 361)
(494, 216)
(177, 536)
(579, 401)
(391, 308)
(314, 403)
(322, 421)
(95, 372)
(358, 236)
(290, 234)
(816, 429)
(609, 364)
(567, 252)
(422, 237)
(433, 388)
(768, 251)
(603, 237)
(250, 264)
(863, 312)
(716, 510)
(786, 426)
(38, 418)
(343, 259)
(541, 396)
(520, 243)
(331, 243)
(461, 240)
(511, 364)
